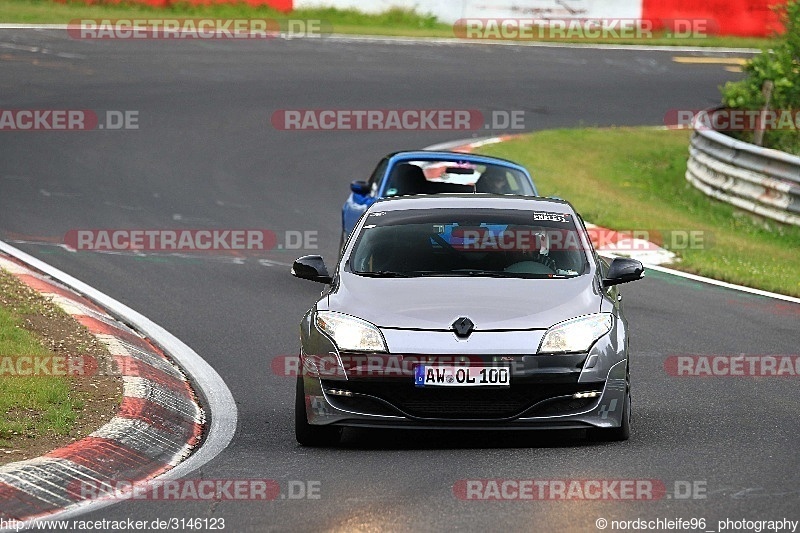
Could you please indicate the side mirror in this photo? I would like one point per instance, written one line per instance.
(360, 187)
(311, 267)
(623, 270)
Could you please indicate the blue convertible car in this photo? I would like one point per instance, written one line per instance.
(429, 172)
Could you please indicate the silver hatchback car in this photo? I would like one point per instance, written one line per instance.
(465, 311)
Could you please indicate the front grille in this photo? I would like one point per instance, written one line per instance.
(455, 402)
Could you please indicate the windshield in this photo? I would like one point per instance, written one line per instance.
(432, 177)
(455, 242)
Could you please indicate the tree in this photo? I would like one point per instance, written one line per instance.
(781, 65)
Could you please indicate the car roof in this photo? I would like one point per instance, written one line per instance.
(472, 201)
(444, 155)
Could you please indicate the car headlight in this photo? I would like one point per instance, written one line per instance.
(351, 333)
(577, 334)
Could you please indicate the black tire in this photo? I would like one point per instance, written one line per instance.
(305, 433)
(622, 433)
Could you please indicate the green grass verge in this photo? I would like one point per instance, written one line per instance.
(633, 179)
(394, 22)
(32, 406)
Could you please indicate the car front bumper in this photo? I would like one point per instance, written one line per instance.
(541, 401)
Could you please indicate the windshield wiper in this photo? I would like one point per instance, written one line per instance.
(481, 273)
(463, 272)
(381, 274)
(501, 274)
(456, 273)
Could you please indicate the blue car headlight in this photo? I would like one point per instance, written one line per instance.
(350, 333)
(577, 334)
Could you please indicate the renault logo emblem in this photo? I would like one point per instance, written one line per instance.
(463, 327)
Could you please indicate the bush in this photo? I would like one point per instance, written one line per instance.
(780, 64)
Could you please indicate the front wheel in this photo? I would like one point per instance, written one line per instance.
(305, 433)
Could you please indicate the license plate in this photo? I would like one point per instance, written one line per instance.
(460, 376)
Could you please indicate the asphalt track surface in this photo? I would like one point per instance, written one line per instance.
(205, 155)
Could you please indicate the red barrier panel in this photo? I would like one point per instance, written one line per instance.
(750, 18)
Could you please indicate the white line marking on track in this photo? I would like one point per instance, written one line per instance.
(724, 284)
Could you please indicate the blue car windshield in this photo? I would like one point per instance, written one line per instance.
(454, 242)
(432, 177)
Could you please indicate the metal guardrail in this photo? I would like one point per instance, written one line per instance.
(760, 180)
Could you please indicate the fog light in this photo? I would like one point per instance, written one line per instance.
(339, 392)
(587, 394)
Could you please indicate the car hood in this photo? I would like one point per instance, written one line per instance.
(434, 303)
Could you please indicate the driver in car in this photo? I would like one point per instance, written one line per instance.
(493, 181)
